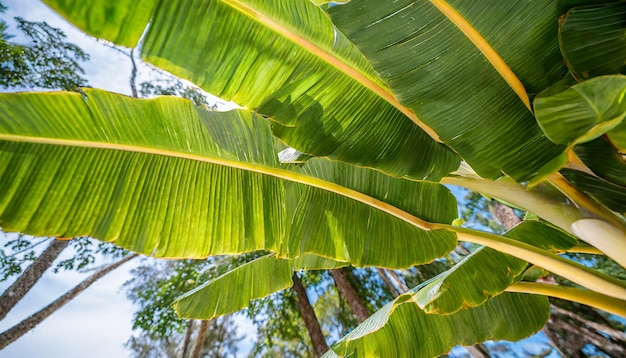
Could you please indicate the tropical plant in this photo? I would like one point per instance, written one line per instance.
(389, 100)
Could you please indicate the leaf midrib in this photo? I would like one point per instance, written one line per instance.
(332, 60)
(250, 167)
(485, 48)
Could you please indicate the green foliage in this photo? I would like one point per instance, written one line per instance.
(173, 88)
(19, 255)
(46, 61)
(280, 328)
(21, 251)
(592, 39)
(159, 331)
(154, 288)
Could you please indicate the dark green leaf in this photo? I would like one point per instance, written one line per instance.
(609, 194)
(583, 112)
(603, 159)
(592, 39)
(434, 69)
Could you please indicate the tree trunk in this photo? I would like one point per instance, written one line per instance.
(12, 334)
(478, 351)
(504, 215)
(202, 332)
(609, 331)
(359, 310)
(392, 289)
(30, 276)
(310, 319)
(187, 340)
(133, 74)
(571, 332)
(397, 281)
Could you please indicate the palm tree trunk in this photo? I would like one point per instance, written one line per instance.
(187, 340)
(202, 332)
(12, 334)
(30, 276)
(359, 310)
(310, 319)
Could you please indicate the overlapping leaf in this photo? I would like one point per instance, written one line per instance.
(592, 39)
(402, 329)
(321, 229)
(137, 172)
(603, 159)
(584, 111)
(486, 272)
(283, 59)
(610, 194)
(236, 288)
(428, 58)
(163, 177)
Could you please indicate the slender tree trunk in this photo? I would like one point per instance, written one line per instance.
(359, 310)
(398, 282)
(30, 276)
(133, 74)
(310, 319)
(392, 289)
(202, 332)
(478, 351)
(504, 215)
(12, 334)
(187, 340)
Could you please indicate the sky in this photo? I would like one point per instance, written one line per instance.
(98, 322)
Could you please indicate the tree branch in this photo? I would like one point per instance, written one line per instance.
(12, 334)
(30, 276)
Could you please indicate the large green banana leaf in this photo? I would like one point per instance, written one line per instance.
(402, 329)
(470, 283)
(284, 60)
(466, 72)
(486, 273)
(235, 289)
(163, 177)
(584, 111)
